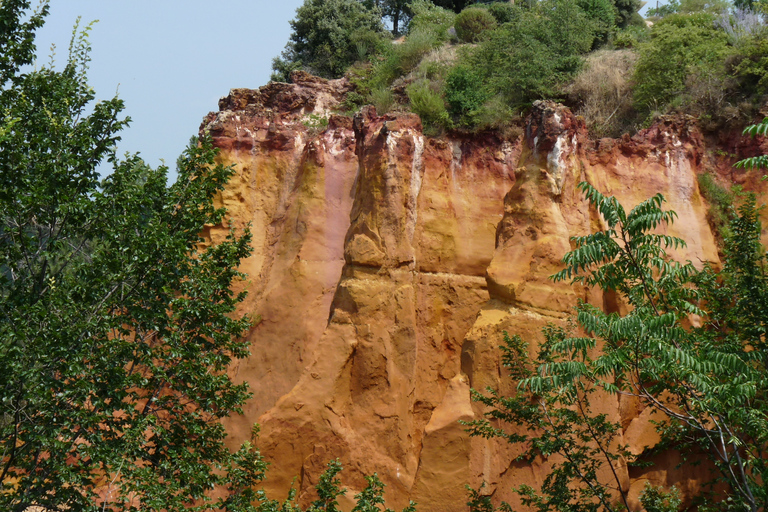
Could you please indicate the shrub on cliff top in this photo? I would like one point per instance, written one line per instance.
(528, 58)
(680, 45)
(430, 107)
(473, 23)
(465, 95)
(602, 91)
(328, 35)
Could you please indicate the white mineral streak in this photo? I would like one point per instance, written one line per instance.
(556, 162)
(334, 144)
(455, 163)
(417, 167)
(299, 144)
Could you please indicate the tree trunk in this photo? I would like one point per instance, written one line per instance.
(395, 21)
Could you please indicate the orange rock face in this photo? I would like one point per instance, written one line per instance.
(387, 265)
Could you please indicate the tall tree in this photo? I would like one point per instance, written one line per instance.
(398, 11)
(327, 36)
(116, 320)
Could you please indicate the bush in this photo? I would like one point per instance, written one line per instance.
(721, 211)
(602, 13)
(473, 23)
(382, 98)
(429, 105)
(436, 64)
(503, 12)
(680, 46)
(603, 91)
(528, 58)
(465, 94)
(752, 68)
(403, 58)
(741, 25)
(630, 37)
(496, 114)
(366, 43)
(708, 94)
(428, 16)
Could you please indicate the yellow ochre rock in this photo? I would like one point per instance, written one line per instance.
(387, 265)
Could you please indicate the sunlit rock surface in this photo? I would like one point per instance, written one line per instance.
(388, 264)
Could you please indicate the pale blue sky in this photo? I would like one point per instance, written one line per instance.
(171, 60)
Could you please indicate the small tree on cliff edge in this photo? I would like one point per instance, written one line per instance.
(116, 323)
(709, 382)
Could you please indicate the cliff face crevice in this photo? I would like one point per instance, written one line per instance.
(387, 266)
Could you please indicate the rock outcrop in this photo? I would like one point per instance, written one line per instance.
(388, 264)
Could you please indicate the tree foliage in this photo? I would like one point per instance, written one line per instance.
(760, 161)
(370, 499)
(329, 35)
(626, 12)
(398, 11)
(709, 382)
(525, 59)
(680, 46)
(116, 319)
(472, 24)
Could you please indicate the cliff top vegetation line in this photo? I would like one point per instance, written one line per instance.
(480, 66)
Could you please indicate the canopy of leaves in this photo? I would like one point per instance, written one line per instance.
(523, 60)
(626, 10)
(680, 45)
(116, 321)
(329, 35)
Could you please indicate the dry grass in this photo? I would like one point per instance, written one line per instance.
(603, 91)
(435, 64)
(433, 67)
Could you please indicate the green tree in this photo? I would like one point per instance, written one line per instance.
(329, 35)
(117, 320)
(627, 12)
(453, 5)
(680, 47)
(708, 381)
(399, 11)
(528, 57)
(760, 161)
(602, 14)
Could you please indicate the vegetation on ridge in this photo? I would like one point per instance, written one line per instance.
(701, 58)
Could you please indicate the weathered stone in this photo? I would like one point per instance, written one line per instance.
(387, 265)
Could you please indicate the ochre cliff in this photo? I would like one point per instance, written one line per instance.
(387, 265)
